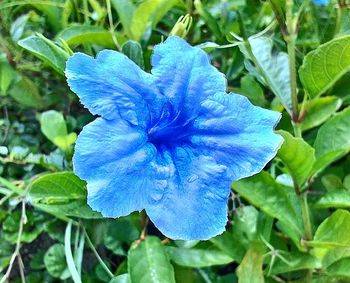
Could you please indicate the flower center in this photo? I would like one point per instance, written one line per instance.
(171, 127)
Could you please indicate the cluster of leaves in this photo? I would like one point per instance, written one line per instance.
(287, 224)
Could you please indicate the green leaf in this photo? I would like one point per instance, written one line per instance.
(133, 50)
(262, 191)
(333, 140)
(340, 268)
(55, 262)
(124, 278)
(47, 51)
(81, 34)
(125, 10)
(147, 15)
(61, 194)
(54, 127)
(230, 243)
(120, 232)
(7, 75)
(295, 261)
(332, 234)
(17, 27)
(273, 67)
(298, 156)
(251, 89)
(335, 199)
(319, 110)
(323, 66)
(148, 262)
(25, 92)
(250, 270)
(197, 257)
(332, 182)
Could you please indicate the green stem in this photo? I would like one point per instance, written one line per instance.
(111, 26)
(92, 247)
(297, 130)
(306, 217)
(290, 39)
(338, 20)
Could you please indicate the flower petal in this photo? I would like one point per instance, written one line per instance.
(184, 74)
(236, 134)
(194, 203)
(113, 85)
(114, 157)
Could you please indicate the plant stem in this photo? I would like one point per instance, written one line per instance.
(15, 254)
(290, 39)
(306, 217)
(338, 20)
(111, 26)
(92, 247)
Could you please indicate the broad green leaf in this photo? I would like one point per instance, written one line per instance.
(333, 140)
(273, 67)
(340, 268)
(197, 257)
(251, 89)
(119, 233)
(332, 234)
(25, 92)
(47, 51)
(332, 182)
(123, 278)
(54, 128)
(346, 182)
(262, 191)
(17, 27)
(61, 194)
(298, 156)
(147, 15)
(334, 199)
(55, 262)
(149, 263)
(125, 10)
(7, 75)
(81, 34)
(323, 66)
(230, 243)
(250, 270)
(319, 110)
(295, 261)
(53, 125)
(133, 50)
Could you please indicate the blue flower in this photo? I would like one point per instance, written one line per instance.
(169, 142)
(321, 2)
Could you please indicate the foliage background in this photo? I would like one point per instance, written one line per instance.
(289, 223)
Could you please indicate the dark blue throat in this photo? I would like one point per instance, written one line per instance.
(171, 128)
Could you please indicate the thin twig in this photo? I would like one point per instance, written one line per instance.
(91, 245)
(15, 254)
(111, 26)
